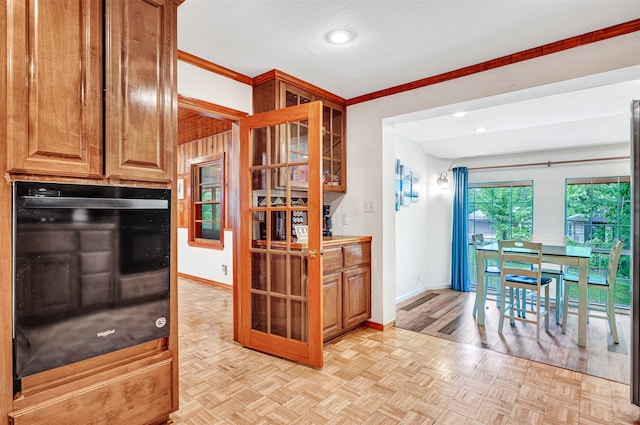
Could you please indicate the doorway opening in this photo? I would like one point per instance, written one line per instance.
(206, 130)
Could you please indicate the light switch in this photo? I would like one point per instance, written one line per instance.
(369, 206)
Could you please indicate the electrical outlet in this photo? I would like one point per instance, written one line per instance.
(345, 219)
(224, 269)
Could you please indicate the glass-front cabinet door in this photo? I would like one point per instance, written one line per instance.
(333, 146)
(280, 280)
(333, 174)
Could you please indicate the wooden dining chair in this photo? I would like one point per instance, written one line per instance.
(489, 272)
(553, 271)
(606, 284)
(521, 268)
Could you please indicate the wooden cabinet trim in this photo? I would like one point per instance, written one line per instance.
(207, 107)
(279, 75)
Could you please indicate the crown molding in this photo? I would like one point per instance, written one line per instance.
(547, 49)
(212, 67)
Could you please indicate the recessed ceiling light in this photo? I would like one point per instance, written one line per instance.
(459, 114)
(480, 129)
(341, 36)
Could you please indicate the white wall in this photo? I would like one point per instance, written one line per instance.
(439, 221)
(200, 84)
(370, 147)
(411, 226)
(206, 263)
(549, 181)
(419, 224)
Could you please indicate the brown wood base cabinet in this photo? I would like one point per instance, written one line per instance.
(346, 284)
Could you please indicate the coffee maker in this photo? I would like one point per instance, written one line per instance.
(326, 220)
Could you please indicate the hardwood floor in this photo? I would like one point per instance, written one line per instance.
(394, 376)
(448, 314)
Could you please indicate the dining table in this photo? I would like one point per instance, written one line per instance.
(576, 256)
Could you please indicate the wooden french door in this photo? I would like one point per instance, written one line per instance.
(280, 277)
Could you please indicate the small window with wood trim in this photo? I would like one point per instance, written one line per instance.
(206, 224)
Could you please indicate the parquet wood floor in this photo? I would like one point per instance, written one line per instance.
(448, 314)
(372, 377)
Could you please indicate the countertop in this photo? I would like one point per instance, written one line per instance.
(335, 240)
(342, 240)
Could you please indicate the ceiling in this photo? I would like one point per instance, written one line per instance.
(560, 118)
(399, 41)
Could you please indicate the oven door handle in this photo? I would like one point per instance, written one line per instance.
(94, 203)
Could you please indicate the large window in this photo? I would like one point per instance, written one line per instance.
(598, 211)
(499, 211)
(207, 201)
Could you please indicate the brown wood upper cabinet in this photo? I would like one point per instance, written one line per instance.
(277, 90)
(139, 76)
(56, 69)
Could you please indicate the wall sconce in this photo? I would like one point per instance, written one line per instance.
(442, 180)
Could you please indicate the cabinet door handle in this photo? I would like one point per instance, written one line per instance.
(310, 253)
(93, 203)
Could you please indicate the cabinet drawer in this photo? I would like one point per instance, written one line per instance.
(357, 254)
(331, 259)
(143, 396)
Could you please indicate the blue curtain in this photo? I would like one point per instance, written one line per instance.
(460, 239)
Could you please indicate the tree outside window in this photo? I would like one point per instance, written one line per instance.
(598, 211)
(502, 210)
(499, 211)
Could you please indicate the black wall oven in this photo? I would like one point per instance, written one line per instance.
(91, 271)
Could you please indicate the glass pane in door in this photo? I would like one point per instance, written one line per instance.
(279, 171)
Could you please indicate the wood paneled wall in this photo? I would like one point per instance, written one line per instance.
(195, 125)
(202, 147)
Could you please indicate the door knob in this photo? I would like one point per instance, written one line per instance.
(310, 253)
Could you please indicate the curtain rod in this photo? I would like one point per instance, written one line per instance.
(548, 163)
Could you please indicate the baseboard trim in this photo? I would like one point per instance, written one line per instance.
(421, 291)
(206, 281)
(380, 326)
